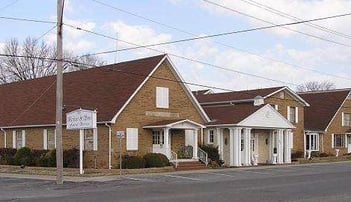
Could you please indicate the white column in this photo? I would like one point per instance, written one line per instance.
(280, 150)
(222, 142)
(235, 146)
(196, 144)
(166, 142)
(219, 143)
(287, 148)
(81, 148)
(247, 151)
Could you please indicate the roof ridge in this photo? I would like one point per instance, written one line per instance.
(326, 91)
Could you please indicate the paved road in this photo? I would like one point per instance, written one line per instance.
(327, 182)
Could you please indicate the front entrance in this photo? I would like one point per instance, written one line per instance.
(349, 143)
(158, 141)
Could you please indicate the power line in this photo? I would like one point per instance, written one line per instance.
(288, 16)
(27, 20)
(182, 57)
(223, 44)
(280, 25)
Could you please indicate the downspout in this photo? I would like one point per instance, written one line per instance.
(4, 137)
(109, 146)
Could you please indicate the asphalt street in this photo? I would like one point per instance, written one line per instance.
(314, 182)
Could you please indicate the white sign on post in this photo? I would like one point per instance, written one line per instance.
(81, 119)
(120, 134)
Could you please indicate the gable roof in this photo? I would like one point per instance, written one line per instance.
(247, 115)
(323, 107)
(245, 96)
(106, 88)
(235, 95)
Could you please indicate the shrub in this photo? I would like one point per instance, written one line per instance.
(70, 158)
(185, 152)
(23, 156)
(315, 154)
(155, 160)
(323, 154)
(212, 152)
(37, 155)
(7, 156)
(132, 162)
(297, 154)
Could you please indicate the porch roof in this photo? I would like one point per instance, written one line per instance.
(176, 124)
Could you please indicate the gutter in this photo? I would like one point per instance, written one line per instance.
(5, 138)
(109, 145)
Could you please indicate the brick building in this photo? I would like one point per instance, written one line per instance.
(328, 121)
(146, 98)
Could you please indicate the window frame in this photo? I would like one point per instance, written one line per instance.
(157, 137)
(345, 122)
(132, 139)
(342, 140)
(210, 136)
(162, 97)
(312, 141)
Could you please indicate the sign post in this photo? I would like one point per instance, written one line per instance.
(120, 136)
(81, 119)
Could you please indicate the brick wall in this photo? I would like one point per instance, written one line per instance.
(283, 103)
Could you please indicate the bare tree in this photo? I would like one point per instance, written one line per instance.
(315, 86)
(34, 59)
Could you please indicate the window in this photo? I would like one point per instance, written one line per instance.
(293, 114)
(162, 97)
(157, 137)
(49, 139)
(346, 120)
(339, 140)
(18, 139)
(132, 139)
(276, 107)
(312, 142)
(210, 136)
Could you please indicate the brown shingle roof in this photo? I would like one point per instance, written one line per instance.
(235, 95)
(104, 88)
(324, 106)
(230, 114)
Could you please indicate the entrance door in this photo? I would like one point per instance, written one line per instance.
(349, 143)
(158, 142)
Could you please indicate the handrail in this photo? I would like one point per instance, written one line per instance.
(203, 156)
(174, 158)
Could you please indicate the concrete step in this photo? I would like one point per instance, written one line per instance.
(190, 165)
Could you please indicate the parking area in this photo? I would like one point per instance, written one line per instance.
(314, 182)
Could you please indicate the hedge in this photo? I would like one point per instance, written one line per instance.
(212, 152)
(42, 158)
(155, 160)
(132, 162)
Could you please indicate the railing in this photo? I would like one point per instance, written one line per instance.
(203, 156)
(174, 158)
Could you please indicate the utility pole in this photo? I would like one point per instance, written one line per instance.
(59, 96)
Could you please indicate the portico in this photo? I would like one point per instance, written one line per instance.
(261, 137)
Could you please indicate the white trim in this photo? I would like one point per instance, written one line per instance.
(137, 90)
(292, 93)
(288, 113)
(209, 136)
(95, 139)
(337, 111)
(23, 138)
(296, 114)
(332, 141)
(342, 119)
(45, 139)
(187, 90)
(14, 139)
(170, 125)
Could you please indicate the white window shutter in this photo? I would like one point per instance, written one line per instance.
(345, 141)
(296, 114)
(332, 141)
(132, 139)
(342, 119)
(14, 139)
(23, 138)
(288, 113)
(55, 137)
(166, 97)
(162, 97)
(45, 139)
(276, 107)
(95, 139)
(158, 97)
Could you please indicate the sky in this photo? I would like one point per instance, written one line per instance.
(316, 51)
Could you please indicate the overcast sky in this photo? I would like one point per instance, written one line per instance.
(282, 56)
